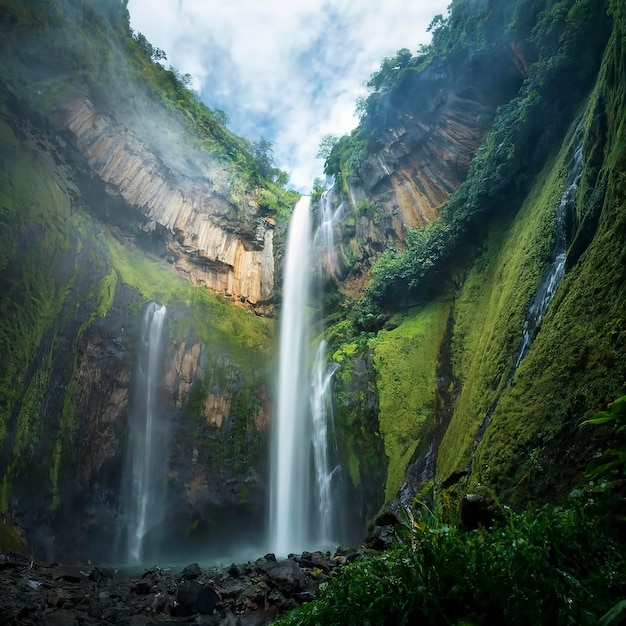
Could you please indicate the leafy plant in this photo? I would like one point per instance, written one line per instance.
(549, 567)
(611, 464)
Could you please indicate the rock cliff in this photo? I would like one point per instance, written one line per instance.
(205, 239)
(423, 150)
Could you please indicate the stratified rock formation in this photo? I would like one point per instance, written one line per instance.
(231, 254)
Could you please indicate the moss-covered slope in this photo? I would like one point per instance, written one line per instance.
(515, 429)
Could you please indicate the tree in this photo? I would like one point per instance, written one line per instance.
(326, 145)
(262, 150)
(156, 54)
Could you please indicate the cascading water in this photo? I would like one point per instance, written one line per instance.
(324, 239)
(148, 440)
(321, 415)
(302, 473)
(290, 486)
(551, 280)
(556, 272)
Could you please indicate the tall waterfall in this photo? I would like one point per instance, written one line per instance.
(148, 439)
(302, 471)
(556, 272)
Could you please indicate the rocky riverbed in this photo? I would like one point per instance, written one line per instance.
(250, 594)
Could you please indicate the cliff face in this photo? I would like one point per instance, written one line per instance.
(231, 254)
(471, 391)
(424, 152)
(72, 302)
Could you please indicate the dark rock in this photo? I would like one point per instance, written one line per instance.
(142, 588)
(254, 597)
(286, 575)
(195, 597)
(254, 619)
(71, 576)
(231, 587)
(102, 573)
(233, 570)
(191, 571)
(270, 557)
(60, 618)
(381, 537)
(478, 510)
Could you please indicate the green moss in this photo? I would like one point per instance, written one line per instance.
(577, 363)
(9, 539)
(216, 322)
(35, 225)
(107, 293)
(490, 309)
(406, 364)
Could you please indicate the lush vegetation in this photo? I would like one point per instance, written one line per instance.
(553, 566)
(405, 360)
(556, 565)
(523, 132)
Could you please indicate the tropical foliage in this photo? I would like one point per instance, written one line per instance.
(554, 566)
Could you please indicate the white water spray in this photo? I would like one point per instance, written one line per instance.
(148, 439)
(324, 241)
(321, 417)
(290, 487)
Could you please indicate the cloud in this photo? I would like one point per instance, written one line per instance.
(285, 70)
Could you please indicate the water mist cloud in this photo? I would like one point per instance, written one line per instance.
(289, 72)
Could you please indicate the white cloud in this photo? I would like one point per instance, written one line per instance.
(286, 70)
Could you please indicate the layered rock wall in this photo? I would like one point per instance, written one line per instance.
(231, 254)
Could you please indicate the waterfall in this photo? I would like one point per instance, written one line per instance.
(321, 415)
(549, 283)
(303, 478)
(147, 447)
(290, 485)
(324, 240)
(556, 272)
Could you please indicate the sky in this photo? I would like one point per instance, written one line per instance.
(288, 71)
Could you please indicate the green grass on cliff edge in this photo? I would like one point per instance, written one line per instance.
(405, 360)
(216, 321)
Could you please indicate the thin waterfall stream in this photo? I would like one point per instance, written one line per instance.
(556, 272)
(148, 440)
(550, 281)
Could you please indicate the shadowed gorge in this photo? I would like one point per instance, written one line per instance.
(425, 360)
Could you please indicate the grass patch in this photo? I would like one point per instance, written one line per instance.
(405, 360)
(246, 337)
(557, 566)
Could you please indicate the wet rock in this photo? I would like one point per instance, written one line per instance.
(191, 571)
(194, 597)
(142, 588)
(286, 575)
(102, 573)
(381, 537)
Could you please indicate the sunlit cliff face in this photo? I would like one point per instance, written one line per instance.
(205, 240)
